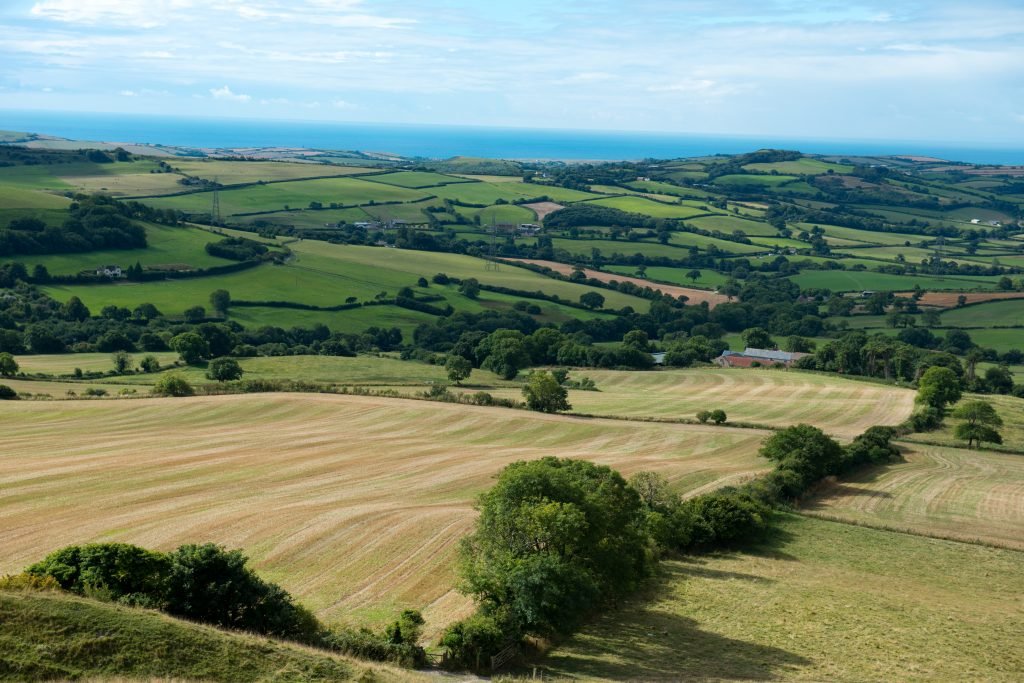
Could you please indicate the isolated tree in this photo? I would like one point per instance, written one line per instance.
(694, 275)
(555, 538)
(458, 368)
(145, 312)
(804, 449)
(149, 364)
(122, 362)
(592, 300)
(172, 384)
(191, 347)
(999, 379)
(470, 287)
(8, 366)
(938, 387)
(224, 370)
(543, 393)
(220, 299)
(718, 416)
(980, 422)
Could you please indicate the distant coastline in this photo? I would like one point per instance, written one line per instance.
(447, 141)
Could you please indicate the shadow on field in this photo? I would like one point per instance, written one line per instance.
(646, 640)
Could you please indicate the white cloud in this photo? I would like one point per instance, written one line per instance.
(129, 93)
(342, 104)
(225, 93)
(157, 54)
(148, 14)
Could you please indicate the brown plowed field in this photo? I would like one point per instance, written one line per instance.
(354, 504)
(695, 296)
(949, 299)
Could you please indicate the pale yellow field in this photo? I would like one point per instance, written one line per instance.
(949, 492)
(128, 184)
(354, 504)
(841, 407)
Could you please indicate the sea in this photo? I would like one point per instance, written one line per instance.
(439, 142)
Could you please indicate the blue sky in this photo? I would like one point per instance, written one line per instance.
(951, 71)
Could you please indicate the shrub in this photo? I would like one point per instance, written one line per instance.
(719, 518)
(224, 370)
(7, 394)
(703, 416)
(8, 366)
(149, 364)
(173, 384)
(472, 641)
(718, 416)
(126, 573)
(93, 391)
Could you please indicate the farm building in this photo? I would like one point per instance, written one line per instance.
(109, 271)
(749, 356)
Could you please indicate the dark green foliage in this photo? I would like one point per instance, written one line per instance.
(457, 368)
(555, 539)
(504, 353)
(7, 393)
(938, 387)
(220, 299)
(592, 300)
(717, 519)
(586, 214)
(210, 584)
(149, 364)
(980, 422)
(122, 572)
(805, 450)
(236, 249)
(191, 346)
(8, 366)
(96, 222)
(472, 641)
(173, 384)
(224, 370)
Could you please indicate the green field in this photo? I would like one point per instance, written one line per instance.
(799, 167)
(730, 224)
(501, 213)
(167, 246)
(295, 194)
(853, 281)
(65, 363)
(239, 172)
(767, 181)
(1004, 313)
(709, 279)
(818, 601)
(688, 239)
(649, 207)
(415, 179)
(882, 238)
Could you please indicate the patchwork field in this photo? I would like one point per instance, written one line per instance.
(354, 504)
(819, 601)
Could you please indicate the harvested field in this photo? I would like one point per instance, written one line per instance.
(695, 296)
(841, 407)
(947, 492)
(542, 209)
(354, 504)
(949, 299)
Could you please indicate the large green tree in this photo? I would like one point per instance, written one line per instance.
(938, 387)
(8, 366)
(980, 422)
(190, 346)
(555, 538)
(504, 353)
(458, 368)
(544, 393)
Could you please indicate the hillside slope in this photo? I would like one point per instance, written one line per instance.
(59, 636)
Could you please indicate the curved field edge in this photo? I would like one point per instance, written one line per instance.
(353, 504)
(818, 601)
(968, 495)
(46, 636)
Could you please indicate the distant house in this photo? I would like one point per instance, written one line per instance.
(109, 271)
(749, 356)
(528, 229)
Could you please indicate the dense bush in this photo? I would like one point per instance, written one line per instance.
(236, 249)
(173, 384)
(7, 393)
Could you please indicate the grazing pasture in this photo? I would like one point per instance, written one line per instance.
(817, 601)
(949, 492)
(239, 172)
(651, 208)
(854, 281)
(353, 504)
(1004, 313)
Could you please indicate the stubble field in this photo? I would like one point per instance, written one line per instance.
(354, 504)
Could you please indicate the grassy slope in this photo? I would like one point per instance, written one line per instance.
(1010, 409)
(851, 281)
(57, 636)
(948, 492)
(369, 496)
(820, 601)
(1004, 313)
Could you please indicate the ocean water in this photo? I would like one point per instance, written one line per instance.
(447, 141)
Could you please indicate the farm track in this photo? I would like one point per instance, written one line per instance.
(355, 504)
(946, 492)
